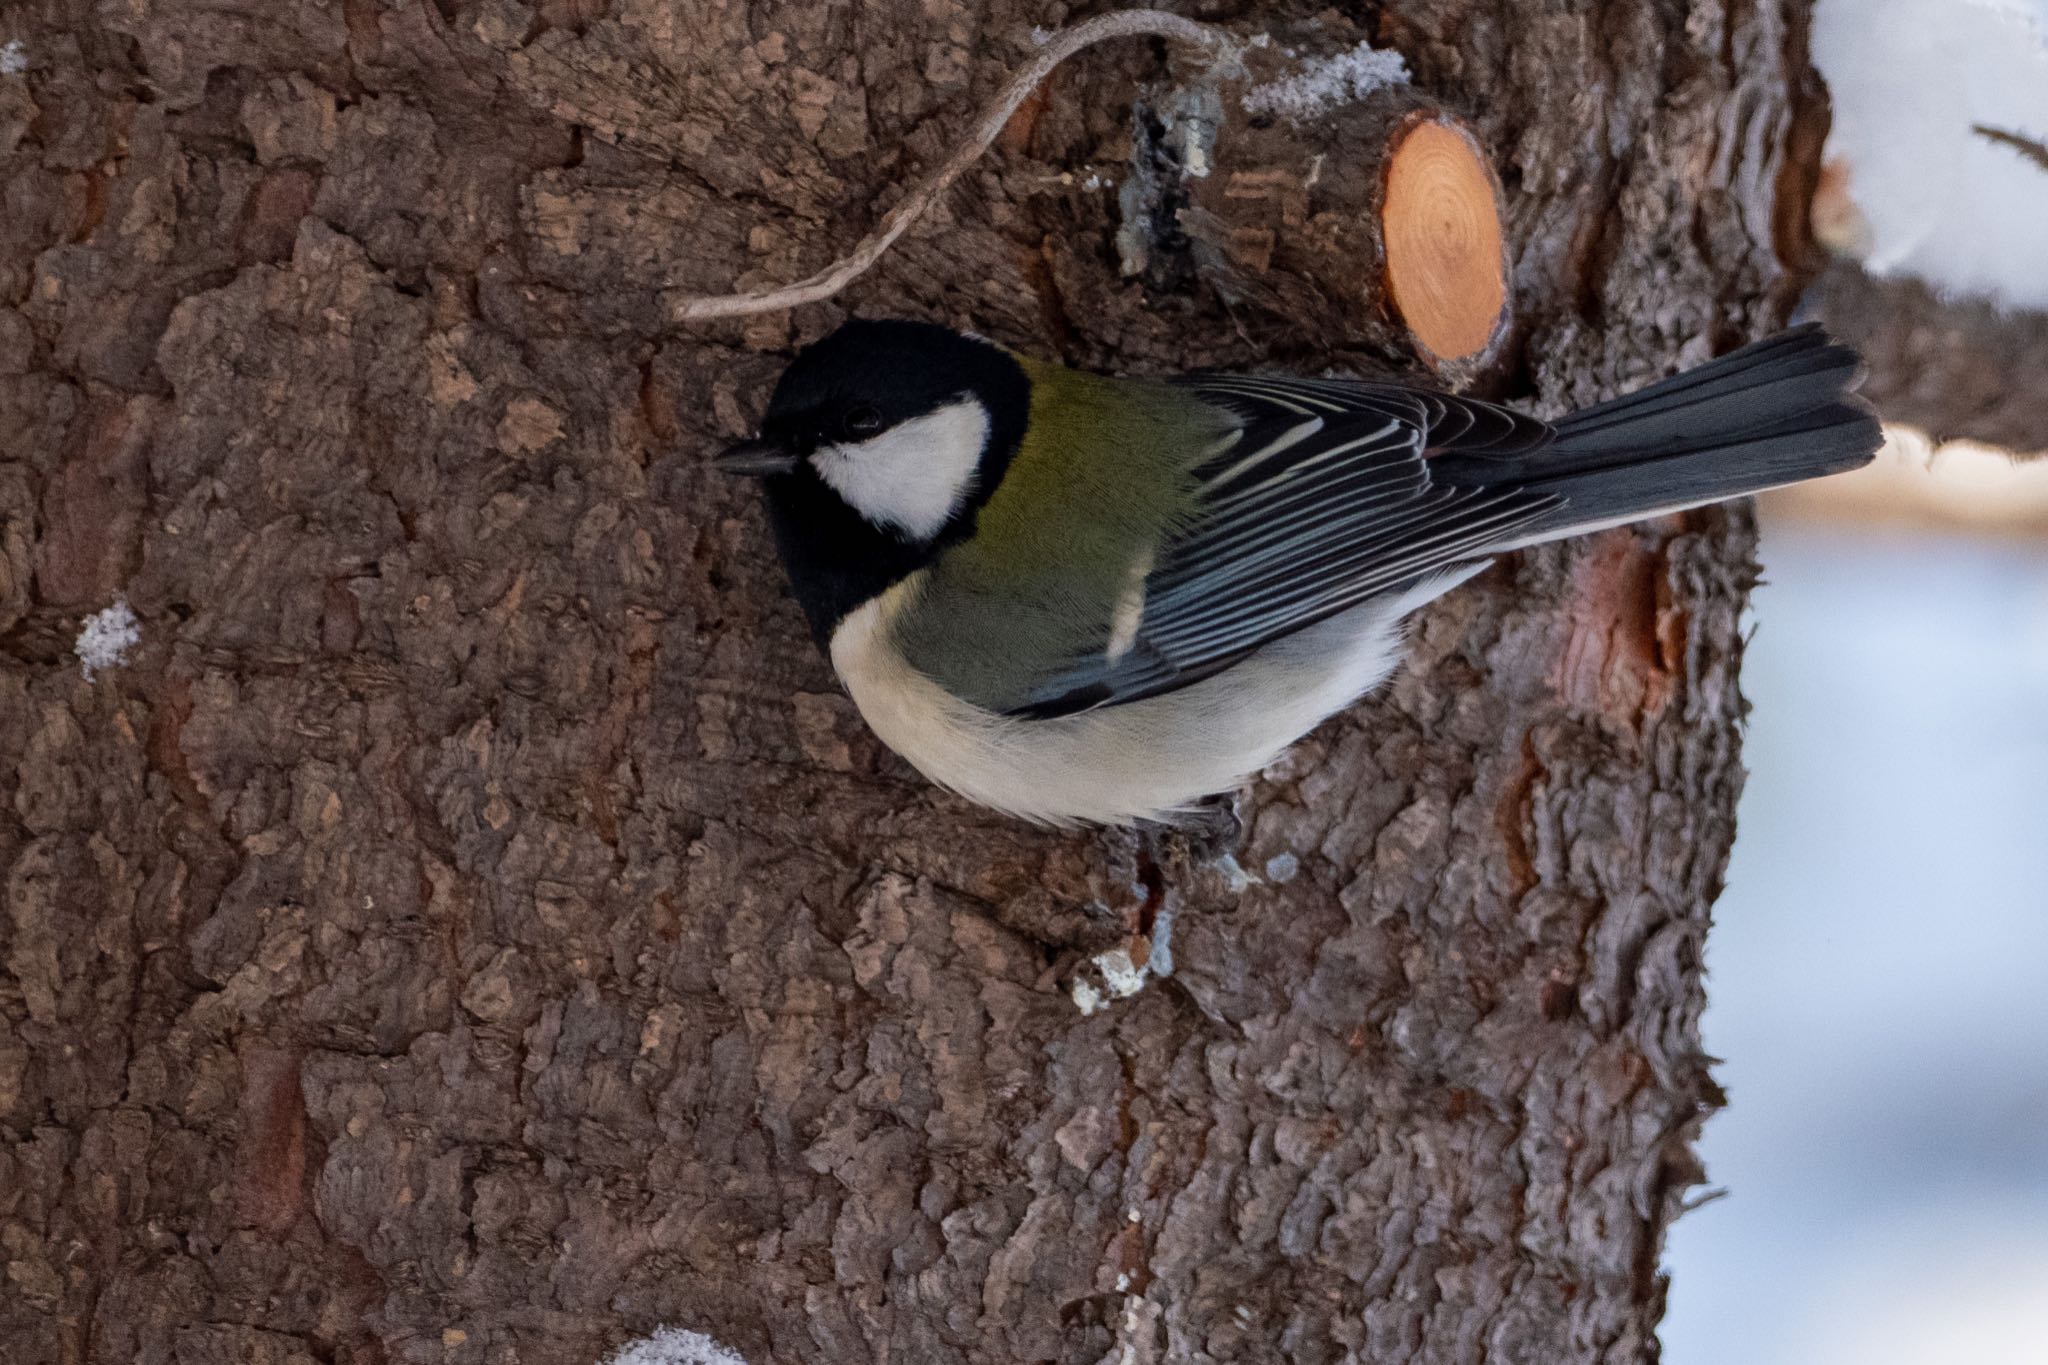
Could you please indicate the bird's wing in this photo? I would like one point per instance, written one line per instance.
(1324, 501)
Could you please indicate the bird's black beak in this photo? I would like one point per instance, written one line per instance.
(756, 459)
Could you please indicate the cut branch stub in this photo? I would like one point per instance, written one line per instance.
(1440, 221)
(1377, 224)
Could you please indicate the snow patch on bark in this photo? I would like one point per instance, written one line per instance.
(1326, 83)
(1160, 963)
(13, 57)
(106, 638)
(1118, 975)
(675, 1346)
(1908, 79)
(1122, 976)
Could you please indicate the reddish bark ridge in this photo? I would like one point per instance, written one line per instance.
(469, 925)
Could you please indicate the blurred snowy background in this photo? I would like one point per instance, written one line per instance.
(1910, 80)
(1879, 965)
(1878, 971)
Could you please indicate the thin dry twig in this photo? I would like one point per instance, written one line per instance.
(842, 272)
(2033, 149)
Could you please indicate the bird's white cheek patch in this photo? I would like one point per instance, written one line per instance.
(914, 476)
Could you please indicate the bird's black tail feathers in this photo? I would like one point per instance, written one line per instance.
(1775, 412)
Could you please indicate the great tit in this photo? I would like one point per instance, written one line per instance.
(1090, 599)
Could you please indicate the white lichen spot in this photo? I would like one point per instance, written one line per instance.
(1233, 873)
(13, 57)
(1123, 1281)
(1086, 998)
(1326, 83)
(1282, 867)
(675, 1346)
(107, 637)
(1040, 35)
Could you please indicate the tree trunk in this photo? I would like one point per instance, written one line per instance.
(472, 926)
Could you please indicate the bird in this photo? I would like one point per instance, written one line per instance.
(1089, 599)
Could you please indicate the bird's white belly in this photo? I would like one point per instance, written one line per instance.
(1141, 760)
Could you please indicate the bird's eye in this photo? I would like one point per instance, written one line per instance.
(862, 422)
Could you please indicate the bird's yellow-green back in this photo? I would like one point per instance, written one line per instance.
(1103, 476)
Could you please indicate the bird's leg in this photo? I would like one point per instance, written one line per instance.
(1210, 830)
(1213, 829)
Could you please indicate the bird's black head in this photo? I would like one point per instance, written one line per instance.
(880, 443)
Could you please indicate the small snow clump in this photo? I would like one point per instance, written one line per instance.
(1121, 974)
(675, 1346)
(107, 637)
(1160, 963)
(13, 58)
(1326, 83)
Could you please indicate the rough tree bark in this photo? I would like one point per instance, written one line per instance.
(1952, 367)
(472, 927)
